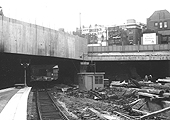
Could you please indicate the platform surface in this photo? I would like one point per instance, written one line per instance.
(16, 108)
(6, 95)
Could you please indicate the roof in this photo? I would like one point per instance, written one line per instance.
(159, 15)
(55, 67)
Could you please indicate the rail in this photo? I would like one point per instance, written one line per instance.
(46, 108)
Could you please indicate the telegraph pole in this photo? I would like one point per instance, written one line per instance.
(80, 22)
(1, 11)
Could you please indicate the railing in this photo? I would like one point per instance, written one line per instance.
(128, 48)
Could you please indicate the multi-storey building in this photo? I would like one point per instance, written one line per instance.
(131, 32)
(134, 31)
(95, 34)
(126, 34)
(114, 34)
(159, 22)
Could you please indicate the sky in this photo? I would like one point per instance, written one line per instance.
(66, 13)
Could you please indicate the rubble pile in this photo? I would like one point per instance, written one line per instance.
(145, 101)
(88, 109)
(99, 104)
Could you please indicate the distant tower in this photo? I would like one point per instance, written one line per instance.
(1, 12)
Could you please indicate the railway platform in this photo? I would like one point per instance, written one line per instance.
(6, 95)
(15, 107)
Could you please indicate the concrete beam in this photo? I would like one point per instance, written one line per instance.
(129, 56)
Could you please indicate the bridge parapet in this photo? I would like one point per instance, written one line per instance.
(24, 38)
(129, 56)
(129, 53)
(128, 48)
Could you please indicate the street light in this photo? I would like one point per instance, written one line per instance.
(80, 23)
(1, 12)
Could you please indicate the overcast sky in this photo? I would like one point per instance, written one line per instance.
(65, 13)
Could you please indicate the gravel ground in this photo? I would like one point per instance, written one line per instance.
(31, 107)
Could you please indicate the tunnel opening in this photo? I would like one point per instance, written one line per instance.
(12, 72)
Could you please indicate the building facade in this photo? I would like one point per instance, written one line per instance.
(95, 34)
(115, 33)
(134, 31)
(159, 21)
(127, 34)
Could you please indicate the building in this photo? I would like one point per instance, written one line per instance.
(126, 34)
(134, 31)
(159, 21)
(95, 34)
(44, 73)
(91, 80)
(129, 33)
(114, 34)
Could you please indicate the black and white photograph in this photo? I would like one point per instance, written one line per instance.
(84, 60)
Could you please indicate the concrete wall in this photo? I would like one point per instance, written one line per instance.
(24, 38)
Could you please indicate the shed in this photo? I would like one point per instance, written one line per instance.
(91, 80)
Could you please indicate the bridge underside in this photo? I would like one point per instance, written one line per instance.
(12, 72)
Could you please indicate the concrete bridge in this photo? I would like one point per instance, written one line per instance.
(29, 39)
(129, 52)
(22, 39)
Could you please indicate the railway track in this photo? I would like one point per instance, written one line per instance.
(46, 108)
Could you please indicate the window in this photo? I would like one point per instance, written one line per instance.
(130, 37)
(165, 24)
(81, 79)
(156, 24)
(160, 25)
(164, 40)
(130, 32)
(169, 39)
(98, 79)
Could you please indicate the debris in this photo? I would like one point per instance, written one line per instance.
(154, 113)
(109, 103)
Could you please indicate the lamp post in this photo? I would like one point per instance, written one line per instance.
(1, 11)
(25, 65)
(80, 23)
